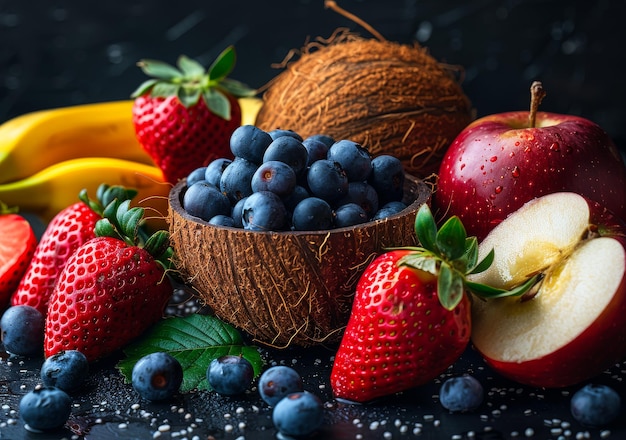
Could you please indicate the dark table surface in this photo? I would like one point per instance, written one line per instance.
(105, 407)
(58, 53)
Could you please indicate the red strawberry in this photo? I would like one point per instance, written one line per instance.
(17, 245)
(110, 290)
(69, 229)
(184, 116)
(410, 318)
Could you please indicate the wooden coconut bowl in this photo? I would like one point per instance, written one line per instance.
(284, 288)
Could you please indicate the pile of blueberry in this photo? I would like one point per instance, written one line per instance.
(279, 181)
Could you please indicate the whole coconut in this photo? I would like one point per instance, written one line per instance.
(391, 98)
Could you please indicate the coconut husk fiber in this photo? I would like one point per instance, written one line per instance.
(284, 288)
(392, 98)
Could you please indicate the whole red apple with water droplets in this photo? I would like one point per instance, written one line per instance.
(501, 161)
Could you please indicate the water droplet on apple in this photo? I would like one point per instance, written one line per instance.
(517, 143)
(493, 158)
(498, 189)
(515, 171)
(555, 146)
(462, 166)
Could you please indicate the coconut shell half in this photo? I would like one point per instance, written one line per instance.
(284, 288)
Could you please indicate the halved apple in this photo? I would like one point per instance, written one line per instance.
(572, 324)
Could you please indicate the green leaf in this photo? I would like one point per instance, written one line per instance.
(164, 90)
(130, 222)
(486, 291)
(471, 253)
(217, 103)
(421, 260)
(237, 88)
(223, 64)
(144, 87)
(159, 69)
(484, 263)
(449, 287)
(104, 228)
(158, 245)
(195, 341)
(6, 209)
(189, 96)
(426, 228)
(190, 67)
(451, 238)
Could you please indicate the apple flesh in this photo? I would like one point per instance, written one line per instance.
(497, 163)
(571, 327)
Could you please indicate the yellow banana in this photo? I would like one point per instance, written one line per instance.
(34, 141)
(56, 187)
(37, 140)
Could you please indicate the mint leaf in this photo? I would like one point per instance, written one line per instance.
(195, 341)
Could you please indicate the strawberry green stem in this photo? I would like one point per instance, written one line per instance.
(451, 256)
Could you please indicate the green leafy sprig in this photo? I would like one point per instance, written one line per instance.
(6, 209)
(451, 255)
(190, 81)
(194, 341)
(125, 223)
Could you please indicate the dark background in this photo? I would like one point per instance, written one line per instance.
(58, 53)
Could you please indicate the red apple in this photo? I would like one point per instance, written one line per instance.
(570, 326)
(499, 162)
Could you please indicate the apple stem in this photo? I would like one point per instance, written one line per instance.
(537, 93)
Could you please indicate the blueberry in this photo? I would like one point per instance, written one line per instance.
(157, 376)
(236, 180)
(312, 214)
(205, 201)
(316, 150)
(66, 370)
(298, 194)
(196, 175)
(389, 209)
(45, 408)
(461, 394)
(230, 375)
(274, 176)
(364, 195)
(249, 142)
(387, 177)
(214, 170)
(327, 180)
(353, 158)
(277, 382)
(237, 213)
(222, 220)
(275, 134)
(595, 405)
(298, 414)
(323, 138)
(350, 214)
(288, 150)
(22, 330)
(264, 211)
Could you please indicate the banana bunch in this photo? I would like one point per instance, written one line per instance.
(48, 156)
(37, 140)
(52, 189)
